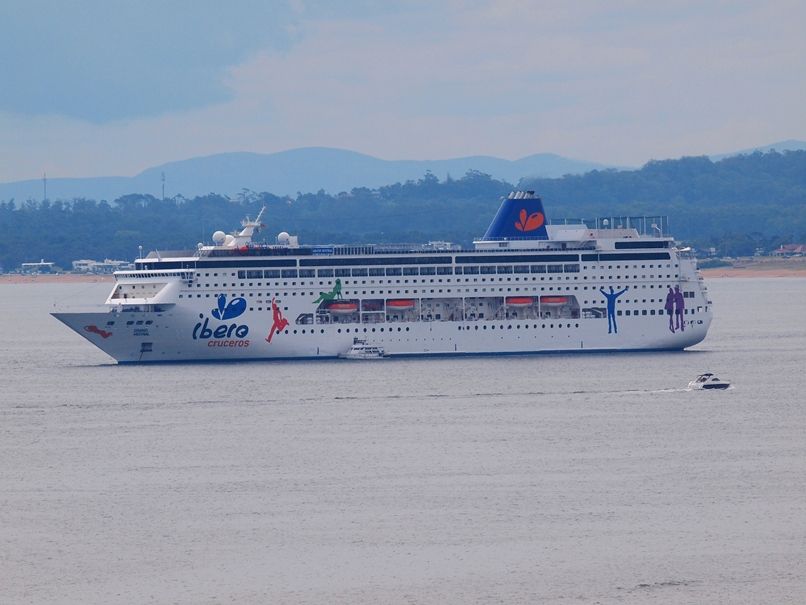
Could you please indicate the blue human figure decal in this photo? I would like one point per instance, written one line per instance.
(611, 307)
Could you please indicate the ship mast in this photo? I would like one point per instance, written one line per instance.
(244, 238)
(252, 225)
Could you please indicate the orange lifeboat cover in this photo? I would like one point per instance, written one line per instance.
(400, 303)
(342, 307)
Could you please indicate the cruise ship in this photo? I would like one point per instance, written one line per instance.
(529, 285)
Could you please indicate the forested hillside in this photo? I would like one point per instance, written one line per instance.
(736, 205)
(760, 193)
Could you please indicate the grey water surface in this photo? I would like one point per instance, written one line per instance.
(591, 478)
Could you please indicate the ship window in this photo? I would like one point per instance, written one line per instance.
(241, 274)
(427, 271)
(376, 271)
(410, 271)
(325, 272)
(359, 272)
(342, 273)
(538, 268)
(486, 270)
(289, 273)
(444, 271)
(504, 269)
(522, 269)
(253, 274)
(393, 271)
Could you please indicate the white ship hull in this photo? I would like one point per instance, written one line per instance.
(171, 337)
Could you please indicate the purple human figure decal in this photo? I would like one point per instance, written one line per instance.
(679, 306)
(670, 308)
(611, 307)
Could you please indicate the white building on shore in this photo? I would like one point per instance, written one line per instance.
(105, 266)
(42, 266)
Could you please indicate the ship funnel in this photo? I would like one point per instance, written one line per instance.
(521, 216)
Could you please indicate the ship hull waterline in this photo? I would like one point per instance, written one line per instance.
(172, 340)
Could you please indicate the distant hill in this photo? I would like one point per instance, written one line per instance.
(756, 194)
(780, 146)
(285, 173)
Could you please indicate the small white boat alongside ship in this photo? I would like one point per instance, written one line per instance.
(361, 349)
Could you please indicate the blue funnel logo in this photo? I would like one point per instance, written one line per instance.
(520, 216)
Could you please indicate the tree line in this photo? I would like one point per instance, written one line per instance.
(735, 205)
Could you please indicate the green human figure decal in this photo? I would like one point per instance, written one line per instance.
(332, 295)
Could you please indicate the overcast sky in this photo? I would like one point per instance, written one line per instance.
(108, 87)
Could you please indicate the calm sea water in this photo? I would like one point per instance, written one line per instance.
(535, 479)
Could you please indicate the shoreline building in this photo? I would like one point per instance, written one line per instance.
(107, 266)
(42, 266)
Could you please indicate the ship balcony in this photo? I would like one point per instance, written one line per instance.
(145, 292)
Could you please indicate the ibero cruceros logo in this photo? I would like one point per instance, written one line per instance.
(530, 222)
(223, 334)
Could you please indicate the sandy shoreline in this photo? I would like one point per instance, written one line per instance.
(720, 272)
(60, 278)
(760, 267)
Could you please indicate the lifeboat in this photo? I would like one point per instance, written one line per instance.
(372, 305)
(553, 300)
(519, 301)
(342, 308)
(401, 304)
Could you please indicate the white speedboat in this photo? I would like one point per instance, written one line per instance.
(708, 381)
(361, 349)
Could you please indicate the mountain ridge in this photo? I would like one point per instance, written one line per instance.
(310, 169)
(305, 169)
(787, 145)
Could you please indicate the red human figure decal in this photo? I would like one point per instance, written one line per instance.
(96, 330)
(279, 322)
